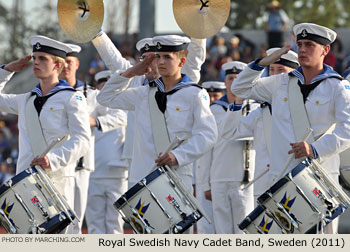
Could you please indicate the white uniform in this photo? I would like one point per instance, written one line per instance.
(105, 119)
(187, 116)
(109, 180)
(237, 126)
(230, 204)
(64, 113)
(115, 61)
(327, 104)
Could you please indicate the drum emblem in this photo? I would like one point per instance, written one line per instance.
(141, 210)
(265, 225)
(287, 204)
(6, 207)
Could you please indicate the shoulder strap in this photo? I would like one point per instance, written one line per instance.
(159, 128)
(297, 110)
(35, 133)
(267, 123)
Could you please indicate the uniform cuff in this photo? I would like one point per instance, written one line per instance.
(255, 66)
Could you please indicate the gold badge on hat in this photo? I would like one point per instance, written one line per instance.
(37, 46)
(304, 33)
(159, 46)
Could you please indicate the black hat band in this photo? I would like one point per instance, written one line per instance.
(287, 63)
(167, 48)
(314, 37)
(48, 49)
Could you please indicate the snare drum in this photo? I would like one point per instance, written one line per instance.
(27, 206)
(304, 199)
(259, 221)
(156, 205)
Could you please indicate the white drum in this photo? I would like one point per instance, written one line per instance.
(29, 206)
(156, 205)
(305, 200)
(260, 221)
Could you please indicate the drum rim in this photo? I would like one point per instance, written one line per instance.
(252, 216)
(17, 178)
(138, 187)
(275, 187)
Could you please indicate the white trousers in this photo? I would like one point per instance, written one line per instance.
(80, 198)
(101, 215)
(203, 226)
(230, 206)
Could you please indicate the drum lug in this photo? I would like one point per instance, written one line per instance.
(177, 229)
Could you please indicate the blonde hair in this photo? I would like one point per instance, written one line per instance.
(181, 54)
(57, 60)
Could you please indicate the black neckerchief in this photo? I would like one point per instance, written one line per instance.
(39, 101)
(161, 97)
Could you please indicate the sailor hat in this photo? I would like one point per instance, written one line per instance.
(102, 76)
(314, 32)
(214, 86)
(233, 67)
(171, 43)
(75, 50)
(289, 59)
(48, 45)
(145, 45)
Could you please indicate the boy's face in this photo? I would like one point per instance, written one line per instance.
(168, 63)
(70, 68)
(311, 53)
(44, 65)
(278, 69)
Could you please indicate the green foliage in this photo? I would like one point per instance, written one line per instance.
(250, 13)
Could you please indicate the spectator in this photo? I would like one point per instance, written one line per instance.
(277, 24)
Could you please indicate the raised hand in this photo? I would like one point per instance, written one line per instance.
(18, 65)
(268, 60)
(141, 68)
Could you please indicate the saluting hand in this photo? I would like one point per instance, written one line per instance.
(268, 60)
(18, 65)
(141, 68)
(41, 161)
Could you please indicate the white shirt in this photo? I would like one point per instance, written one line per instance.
(327, 104)
(187, 116)
(237, 126)
(64, 113)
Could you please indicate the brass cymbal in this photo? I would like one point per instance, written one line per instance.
(201, 18)
(80, 20)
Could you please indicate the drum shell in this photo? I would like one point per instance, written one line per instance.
(163, 189)
(301, 192)
(31, 191)
(259, 222)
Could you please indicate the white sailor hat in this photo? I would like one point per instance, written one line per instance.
(75, 50)
(289, 59)
(103, 76)
(214, 86)
(171, 43)
(314, 32)
(145, 45)
(233, 67)
(48, 45)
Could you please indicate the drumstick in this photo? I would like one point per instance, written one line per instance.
(52, 145)
(290, 158)
(45, 178)
(254, 180)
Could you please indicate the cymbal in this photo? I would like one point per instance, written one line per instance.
(201, 18)
(80, 20)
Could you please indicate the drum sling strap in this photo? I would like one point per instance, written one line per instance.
(267, 122)
(300, 120)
